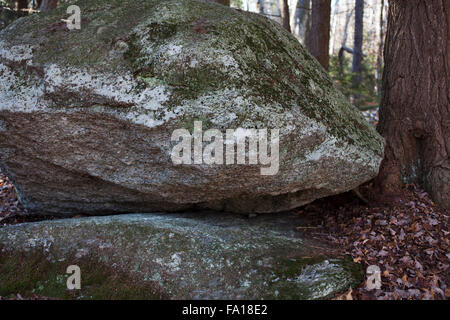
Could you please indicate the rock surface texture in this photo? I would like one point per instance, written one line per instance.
(190, 256)
(86, 116)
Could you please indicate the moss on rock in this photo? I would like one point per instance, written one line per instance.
(34, 274)
(191, 256)
(138, 70)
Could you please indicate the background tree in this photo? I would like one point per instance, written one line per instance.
(344, 43)
(415, 103)
(48, 5)
(358, 42)
(380, 48)
(319, 38)
(302, 20)
(285, 15)
(22, 4)
(260, 5)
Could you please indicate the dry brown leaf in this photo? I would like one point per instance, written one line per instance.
(345, 296)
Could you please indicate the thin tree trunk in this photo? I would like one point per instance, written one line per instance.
(308, 25)
(303, 20)
(319, 42)
(260, 6)
(296, 17)
(278, 11)
(48, 5)
(285, 15)
(333, 26)
(357, 48)
(22, 4)
(344, 43)
(414, 112)
(380, 48)
(347, 22)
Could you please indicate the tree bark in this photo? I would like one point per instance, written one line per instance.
(22, 4)
(335, 14)
(347, 22)
(380, 48)
(319, 42)
(296, 17)
(302, 20)
(358, 41)
(344, 44)
(260, 6)
(285, 15)
(414, 111)
(48, 5)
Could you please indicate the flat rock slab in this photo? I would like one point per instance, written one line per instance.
(194, 256)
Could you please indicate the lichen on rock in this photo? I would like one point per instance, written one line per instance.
(190, 256)
(91, 111)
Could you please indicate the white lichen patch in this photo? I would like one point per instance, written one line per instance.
(118, 89)
(334, 147)
(172, 49)
(172, 264)
(315, 88)
(16, 53)
(19, 95)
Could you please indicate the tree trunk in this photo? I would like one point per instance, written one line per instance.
(319, 42)
(48, 5)
(307, 28)
(344, 44)
(414, 112)
(285, 15)
(347, 22)
(302, 20)
(22, 4)
(260, 6)
(297, 13)
(333, 25)
(380, 48)
(357, 47)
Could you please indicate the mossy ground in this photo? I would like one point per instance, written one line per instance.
(33, 274)
(318, 283)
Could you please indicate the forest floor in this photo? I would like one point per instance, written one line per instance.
(407, 238)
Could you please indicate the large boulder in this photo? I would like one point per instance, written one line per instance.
(178, 256)
(87, 116)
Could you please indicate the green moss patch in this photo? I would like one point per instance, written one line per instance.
(320, 276)
(34, 274)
